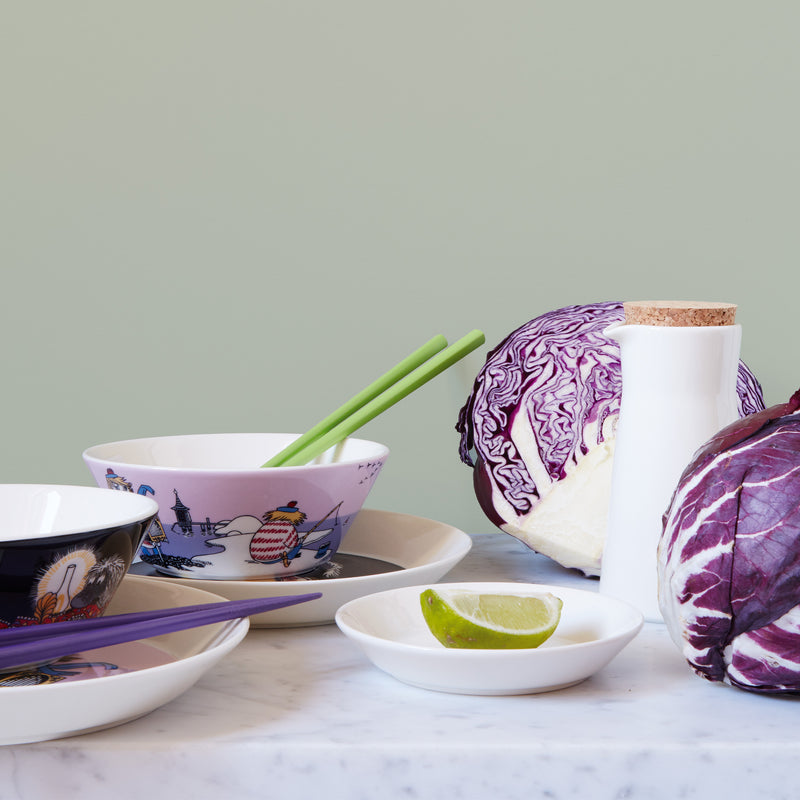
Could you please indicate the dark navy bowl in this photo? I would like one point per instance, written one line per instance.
(65, 549)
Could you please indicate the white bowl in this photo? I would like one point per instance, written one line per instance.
(390, 629)
(112, 685)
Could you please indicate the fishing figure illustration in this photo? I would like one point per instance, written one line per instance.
(278, 539)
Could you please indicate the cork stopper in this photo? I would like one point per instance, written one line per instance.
(676, 313)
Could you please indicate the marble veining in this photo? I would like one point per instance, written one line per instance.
(292, 712)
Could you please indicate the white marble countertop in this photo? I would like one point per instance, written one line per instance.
(298, 713)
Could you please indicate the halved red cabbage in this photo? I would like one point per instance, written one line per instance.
(729, 556)
(539, 427)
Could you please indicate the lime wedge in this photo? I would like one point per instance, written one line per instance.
(459, 618)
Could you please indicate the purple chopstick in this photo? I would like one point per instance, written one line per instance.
(45, 642)
(28, 633)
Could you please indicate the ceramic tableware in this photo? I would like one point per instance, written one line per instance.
(382, 550)
(65, 549)
(678, 390)
(390, 630)
(101, 688)
(223, 516)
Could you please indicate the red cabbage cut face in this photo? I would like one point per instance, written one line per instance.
(539, 427)
(729, 556)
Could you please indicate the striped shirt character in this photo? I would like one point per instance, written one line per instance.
(278, 536)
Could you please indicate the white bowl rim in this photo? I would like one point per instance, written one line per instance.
(140, 507)
(92, 454)
(627, 628)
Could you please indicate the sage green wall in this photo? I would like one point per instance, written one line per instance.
(231, 215)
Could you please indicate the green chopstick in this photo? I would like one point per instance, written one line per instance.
(429, 369)
(398, 371)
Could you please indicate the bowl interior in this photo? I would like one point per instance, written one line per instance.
(396, 616)
(39, 510)
(390, 629)
(237, 451)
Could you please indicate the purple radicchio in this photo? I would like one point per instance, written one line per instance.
(729, 555)
(539, 425)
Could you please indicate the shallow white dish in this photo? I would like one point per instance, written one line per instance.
(390, 629)
(130, 679)
(423, 549)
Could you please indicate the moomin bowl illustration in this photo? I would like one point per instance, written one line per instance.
(222, 516)
(64, 550)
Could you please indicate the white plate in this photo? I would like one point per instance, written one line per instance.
(390, 629)
(147, 674)
(423, 549)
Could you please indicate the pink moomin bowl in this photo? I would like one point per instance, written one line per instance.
(222, 516)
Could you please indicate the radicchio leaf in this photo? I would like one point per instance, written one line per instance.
(729, 556)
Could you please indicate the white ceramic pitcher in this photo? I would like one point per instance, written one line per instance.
(678, 389)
